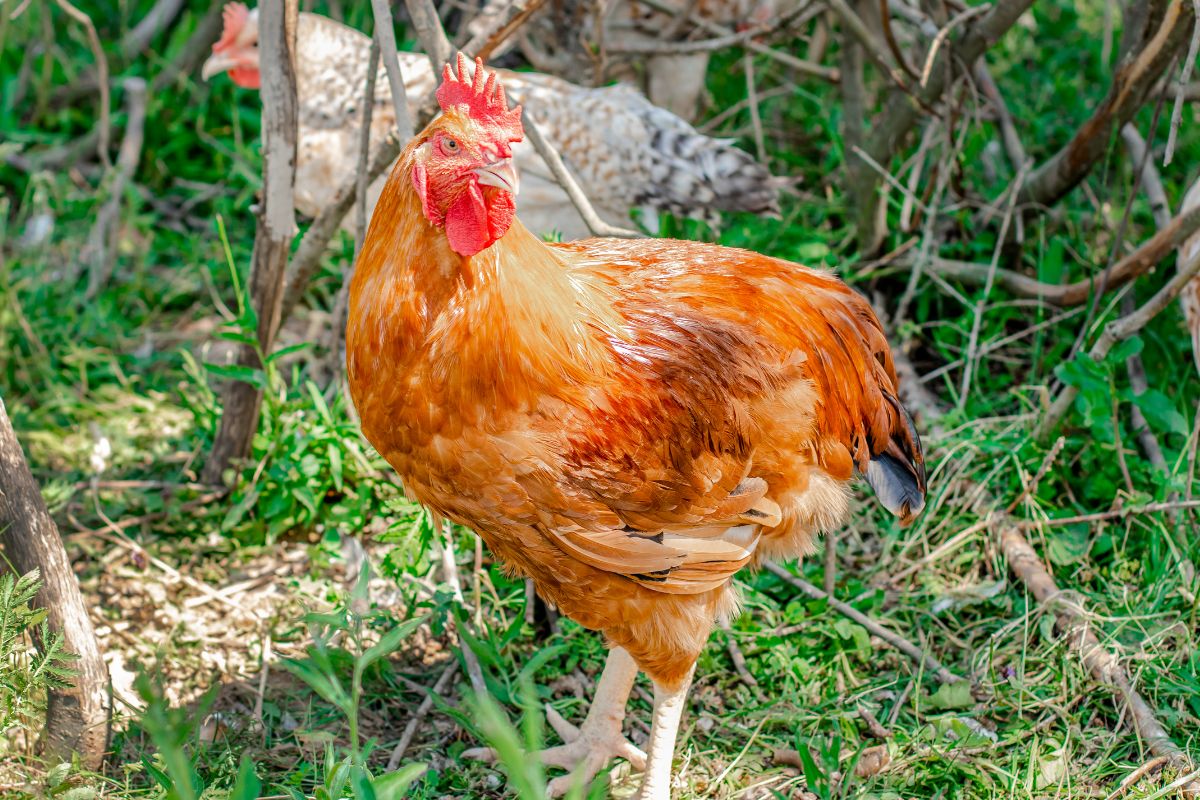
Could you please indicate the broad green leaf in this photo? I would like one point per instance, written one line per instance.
(393, 785)
(248, 785)
(951, 695)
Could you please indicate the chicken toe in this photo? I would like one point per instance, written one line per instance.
(589, 747)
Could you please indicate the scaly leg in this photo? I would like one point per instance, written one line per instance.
(668, 711)
(589, 747)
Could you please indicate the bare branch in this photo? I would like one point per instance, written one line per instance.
(561, 174)
(273, 234)
(1131, 84)
(899, 642)
(429, 30)
(101, 70)
(101, 244)
(160, 15)
(1140, 261)
(385, 39)
(798, 64)
(499, 28)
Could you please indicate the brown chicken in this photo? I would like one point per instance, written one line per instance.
(627, 422)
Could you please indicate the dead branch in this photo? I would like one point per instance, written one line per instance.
(160, 15)
(77, 716)
(1135, 76)
(736, 655)
(385, 39)
(450, 573)
(105, 123)
(1189, 63)
(561, 174)
(410, 730)
(429, 30)
(1103, 665)
(798, 64)
(1137, 263)
(1008, 131)
(918, 655)
(1118, 331)
(273, 234)
(101, 247)
(902, 109)
(1026, 566)
(499, 28)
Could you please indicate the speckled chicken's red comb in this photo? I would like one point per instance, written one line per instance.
(482, 95)
(234, 16)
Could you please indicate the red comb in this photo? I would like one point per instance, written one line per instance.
(235, 16)
(482, 95)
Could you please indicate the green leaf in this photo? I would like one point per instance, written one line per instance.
(393, 785)
(951, 695)
(326, 686)
(284, 352)
(1129, 347)
(389, 642)
(1068, 544)
(238, 372)
(360, 782)
(248, 785)
(1161, 412)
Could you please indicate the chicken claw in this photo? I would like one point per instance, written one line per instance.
(587, 751)
(589, 747)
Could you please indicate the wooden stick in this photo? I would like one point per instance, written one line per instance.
(918, 655)
(76, 715)
(385, 40)
(429, 30)
(410, 730)
(1028, 568)
(102, 239)
(273, 235)
(561, 174)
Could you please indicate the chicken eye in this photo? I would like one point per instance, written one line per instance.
(449, 145)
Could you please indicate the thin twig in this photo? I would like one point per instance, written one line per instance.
(450, 573)
(1140, 261)
(1188, 65)
(429, 30)
(755, 116)
(554, 161)
(101, 247)
(105, 125)
(1117, 513)
(918, 655)
(385, 40)
(410, 730)
(1118, 331)
(798, 64)
(736, 655)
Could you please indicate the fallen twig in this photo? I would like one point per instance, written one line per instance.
(739, 659)
(1117, 513)
(105, 124)
(1188, 64)
(918, 655)
(1026, 566)
(385, 40)
(410, 730)
(1140, 261)
(798, 64)
(1116, 331)
(101, 248)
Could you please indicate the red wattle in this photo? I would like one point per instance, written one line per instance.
(473, 225)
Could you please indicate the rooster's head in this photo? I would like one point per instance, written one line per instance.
(462, 166)
(237, 50)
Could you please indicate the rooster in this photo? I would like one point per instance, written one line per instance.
(627, 422)
(628, 154)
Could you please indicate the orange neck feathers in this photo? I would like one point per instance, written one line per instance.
(508, 324)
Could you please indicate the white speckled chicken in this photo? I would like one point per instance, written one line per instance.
(628, 154)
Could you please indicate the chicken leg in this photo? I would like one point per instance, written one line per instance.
(669, 703)
(589, 747)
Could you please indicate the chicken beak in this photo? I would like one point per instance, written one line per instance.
(216, 64)
(501, 174)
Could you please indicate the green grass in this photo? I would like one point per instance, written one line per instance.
(117, 412)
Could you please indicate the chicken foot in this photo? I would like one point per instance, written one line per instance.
(591, 746)
(669, 703)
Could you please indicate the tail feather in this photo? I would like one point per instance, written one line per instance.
(897, 474)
